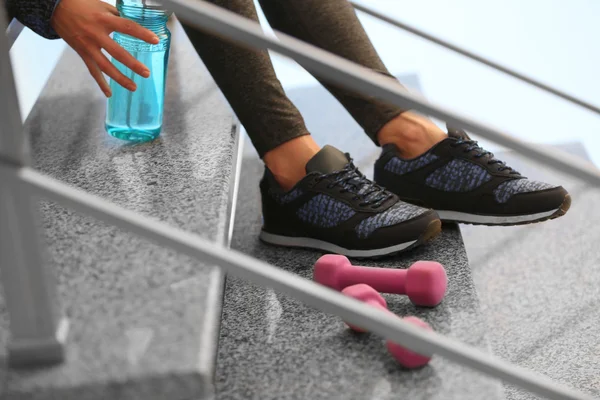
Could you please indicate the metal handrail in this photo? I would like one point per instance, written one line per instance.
(265, 275)
(429, 37)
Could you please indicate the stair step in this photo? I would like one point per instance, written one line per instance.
(275, 347)
(541, 285)
(144, 320)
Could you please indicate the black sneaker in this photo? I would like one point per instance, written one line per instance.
(336, 209)
(465, 183)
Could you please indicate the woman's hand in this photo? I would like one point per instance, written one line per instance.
(86, 25)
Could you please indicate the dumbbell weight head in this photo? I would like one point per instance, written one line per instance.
(326, 270)
(426, 283)
(404, 356)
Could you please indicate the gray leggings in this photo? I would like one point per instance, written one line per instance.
(248, 81)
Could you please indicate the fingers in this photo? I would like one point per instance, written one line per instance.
(109, 69)
(96, 74)
(128, 27)
(125, 57)
(112, 9)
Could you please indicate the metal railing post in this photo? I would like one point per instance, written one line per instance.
(36, 328)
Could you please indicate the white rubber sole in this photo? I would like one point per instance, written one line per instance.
(308, 243)
(455, 216)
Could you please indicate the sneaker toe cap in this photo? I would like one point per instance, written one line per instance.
(536, 201)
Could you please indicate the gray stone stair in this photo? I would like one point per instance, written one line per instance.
(144, 320)
(274, 347)
(539, 285)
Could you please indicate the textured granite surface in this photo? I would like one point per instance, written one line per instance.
(144, 321)
(274, 347)
(540, 284)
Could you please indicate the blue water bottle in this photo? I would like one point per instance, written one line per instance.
(137, 116)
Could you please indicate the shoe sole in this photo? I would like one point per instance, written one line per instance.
(433, 229)
(491, 220)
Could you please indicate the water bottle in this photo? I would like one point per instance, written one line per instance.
(137, 116)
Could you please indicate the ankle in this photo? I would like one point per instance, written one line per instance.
(287, 162)
(411, 133)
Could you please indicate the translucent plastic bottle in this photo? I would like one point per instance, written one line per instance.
(137, 116)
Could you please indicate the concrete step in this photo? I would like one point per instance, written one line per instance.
(144, 320)
(274, 347)
(539, 285)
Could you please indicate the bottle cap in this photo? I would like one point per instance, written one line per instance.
(149, 4)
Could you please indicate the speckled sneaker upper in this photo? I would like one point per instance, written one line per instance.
(337, 210)
(465, 183)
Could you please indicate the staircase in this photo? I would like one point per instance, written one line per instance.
(150, 324)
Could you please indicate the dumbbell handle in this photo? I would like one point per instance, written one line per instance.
(385, 280)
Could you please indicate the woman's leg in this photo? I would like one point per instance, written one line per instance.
(335, 208)
(463, 181)
(333, 26)
(247, 79)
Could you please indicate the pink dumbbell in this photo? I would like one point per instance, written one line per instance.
(424, 282)
(404, 356)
